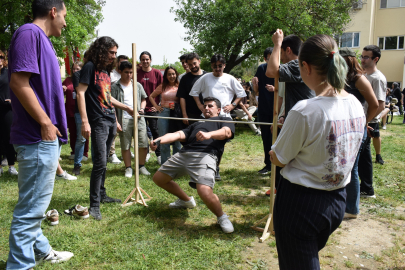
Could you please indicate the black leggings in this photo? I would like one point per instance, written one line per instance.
(7, 149)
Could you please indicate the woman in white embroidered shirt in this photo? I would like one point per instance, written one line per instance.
(317, 147)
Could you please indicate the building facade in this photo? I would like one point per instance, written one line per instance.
(381, 23)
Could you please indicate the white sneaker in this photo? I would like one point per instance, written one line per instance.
(84, 158)
(143, 171)
(56, 257)
(113, 159)
(128, 172)
(147, 157)
(132, 155)
(4, 162)
(258, 132)
(12, 170)
(225, 224)
(183, 204)
(65, 176)
(384, 127)
(71, 157)
(159, 160)
(53, 217)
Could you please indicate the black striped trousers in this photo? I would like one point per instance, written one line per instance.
(303, 220)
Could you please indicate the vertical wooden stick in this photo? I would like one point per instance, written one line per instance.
(135, 97)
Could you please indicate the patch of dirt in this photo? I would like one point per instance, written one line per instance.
(364, 243)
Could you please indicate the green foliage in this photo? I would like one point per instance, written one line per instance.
(177, 65)
(242, 29)
(82, 18)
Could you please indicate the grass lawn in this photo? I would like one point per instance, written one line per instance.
(157, 237)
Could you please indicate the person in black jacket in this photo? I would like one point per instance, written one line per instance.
(6, 118)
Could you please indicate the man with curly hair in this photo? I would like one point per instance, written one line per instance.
(96, 107)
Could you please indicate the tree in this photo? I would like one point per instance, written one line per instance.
(82, 18)
(242, 29)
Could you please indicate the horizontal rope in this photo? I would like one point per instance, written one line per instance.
(208, 120)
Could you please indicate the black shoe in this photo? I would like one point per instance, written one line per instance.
(378, 159)
(95, 212)
(76, 170)
(106, 199)
(217, 176)
(265, 170)
(367, 194)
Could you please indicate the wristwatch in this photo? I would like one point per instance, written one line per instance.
(233, 104)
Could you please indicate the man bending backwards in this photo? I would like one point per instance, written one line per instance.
(203, 143)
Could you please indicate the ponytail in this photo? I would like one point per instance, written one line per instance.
(321, 52)
(337, 72)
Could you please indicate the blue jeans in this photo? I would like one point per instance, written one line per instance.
(353, 188)
(80, 141)
(163, 127)
(36, 176)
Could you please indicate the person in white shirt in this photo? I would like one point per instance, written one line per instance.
(317, 148)
(219, 85)
(115, 75)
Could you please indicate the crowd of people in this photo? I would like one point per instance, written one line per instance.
(328, 105)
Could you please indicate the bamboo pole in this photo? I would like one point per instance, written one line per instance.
(268, 229)
(137, 190)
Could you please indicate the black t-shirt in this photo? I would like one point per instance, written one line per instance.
(351, 89)
(186, 83)
(4, 90)
(295, 88)
(75, 82)
(266, 98)
(210, 146)
(98, 94)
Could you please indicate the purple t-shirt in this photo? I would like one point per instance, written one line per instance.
(32, 51)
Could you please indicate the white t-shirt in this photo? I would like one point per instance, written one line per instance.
(114, 76)
(379, 84)
(320, 140)
(128, 99)
(222, 88)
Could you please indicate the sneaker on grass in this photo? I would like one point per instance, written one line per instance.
(114, 159)
(128, 172)
(65, 176)
(4, 162)
(369, 194)
(53, 217)
(183, 204)
(78, 211)
(71, 157)
(12, 170)
(144, 171)
(84, 158)
(147, 157)
(159, 160)
(55, 257)
(106, 199)
(95, 213)
(265, 170)
(225, 224)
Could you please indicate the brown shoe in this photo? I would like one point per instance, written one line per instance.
(80, 212)
(76, 170)
(53, 217)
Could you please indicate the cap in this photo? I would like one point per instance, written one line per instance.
(347, 52)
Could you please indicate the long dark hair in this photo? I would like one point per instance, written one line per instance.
(355, 71)
(99, 55)
(5, 63)
(166, 80)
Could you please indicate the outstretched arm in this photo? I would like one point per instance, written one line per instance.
(168, 138)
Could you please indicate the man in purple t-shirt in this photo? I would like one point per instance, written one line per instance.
(38, 128)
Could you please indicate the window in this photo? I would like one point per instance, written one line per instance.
(350, 40)
(391, 43)
(392, 3)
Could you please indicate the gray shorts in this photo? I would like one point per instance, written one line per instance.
(128, 133)
(201, 167)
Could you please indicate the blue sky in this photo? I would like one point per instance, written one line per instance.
(149, 24)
